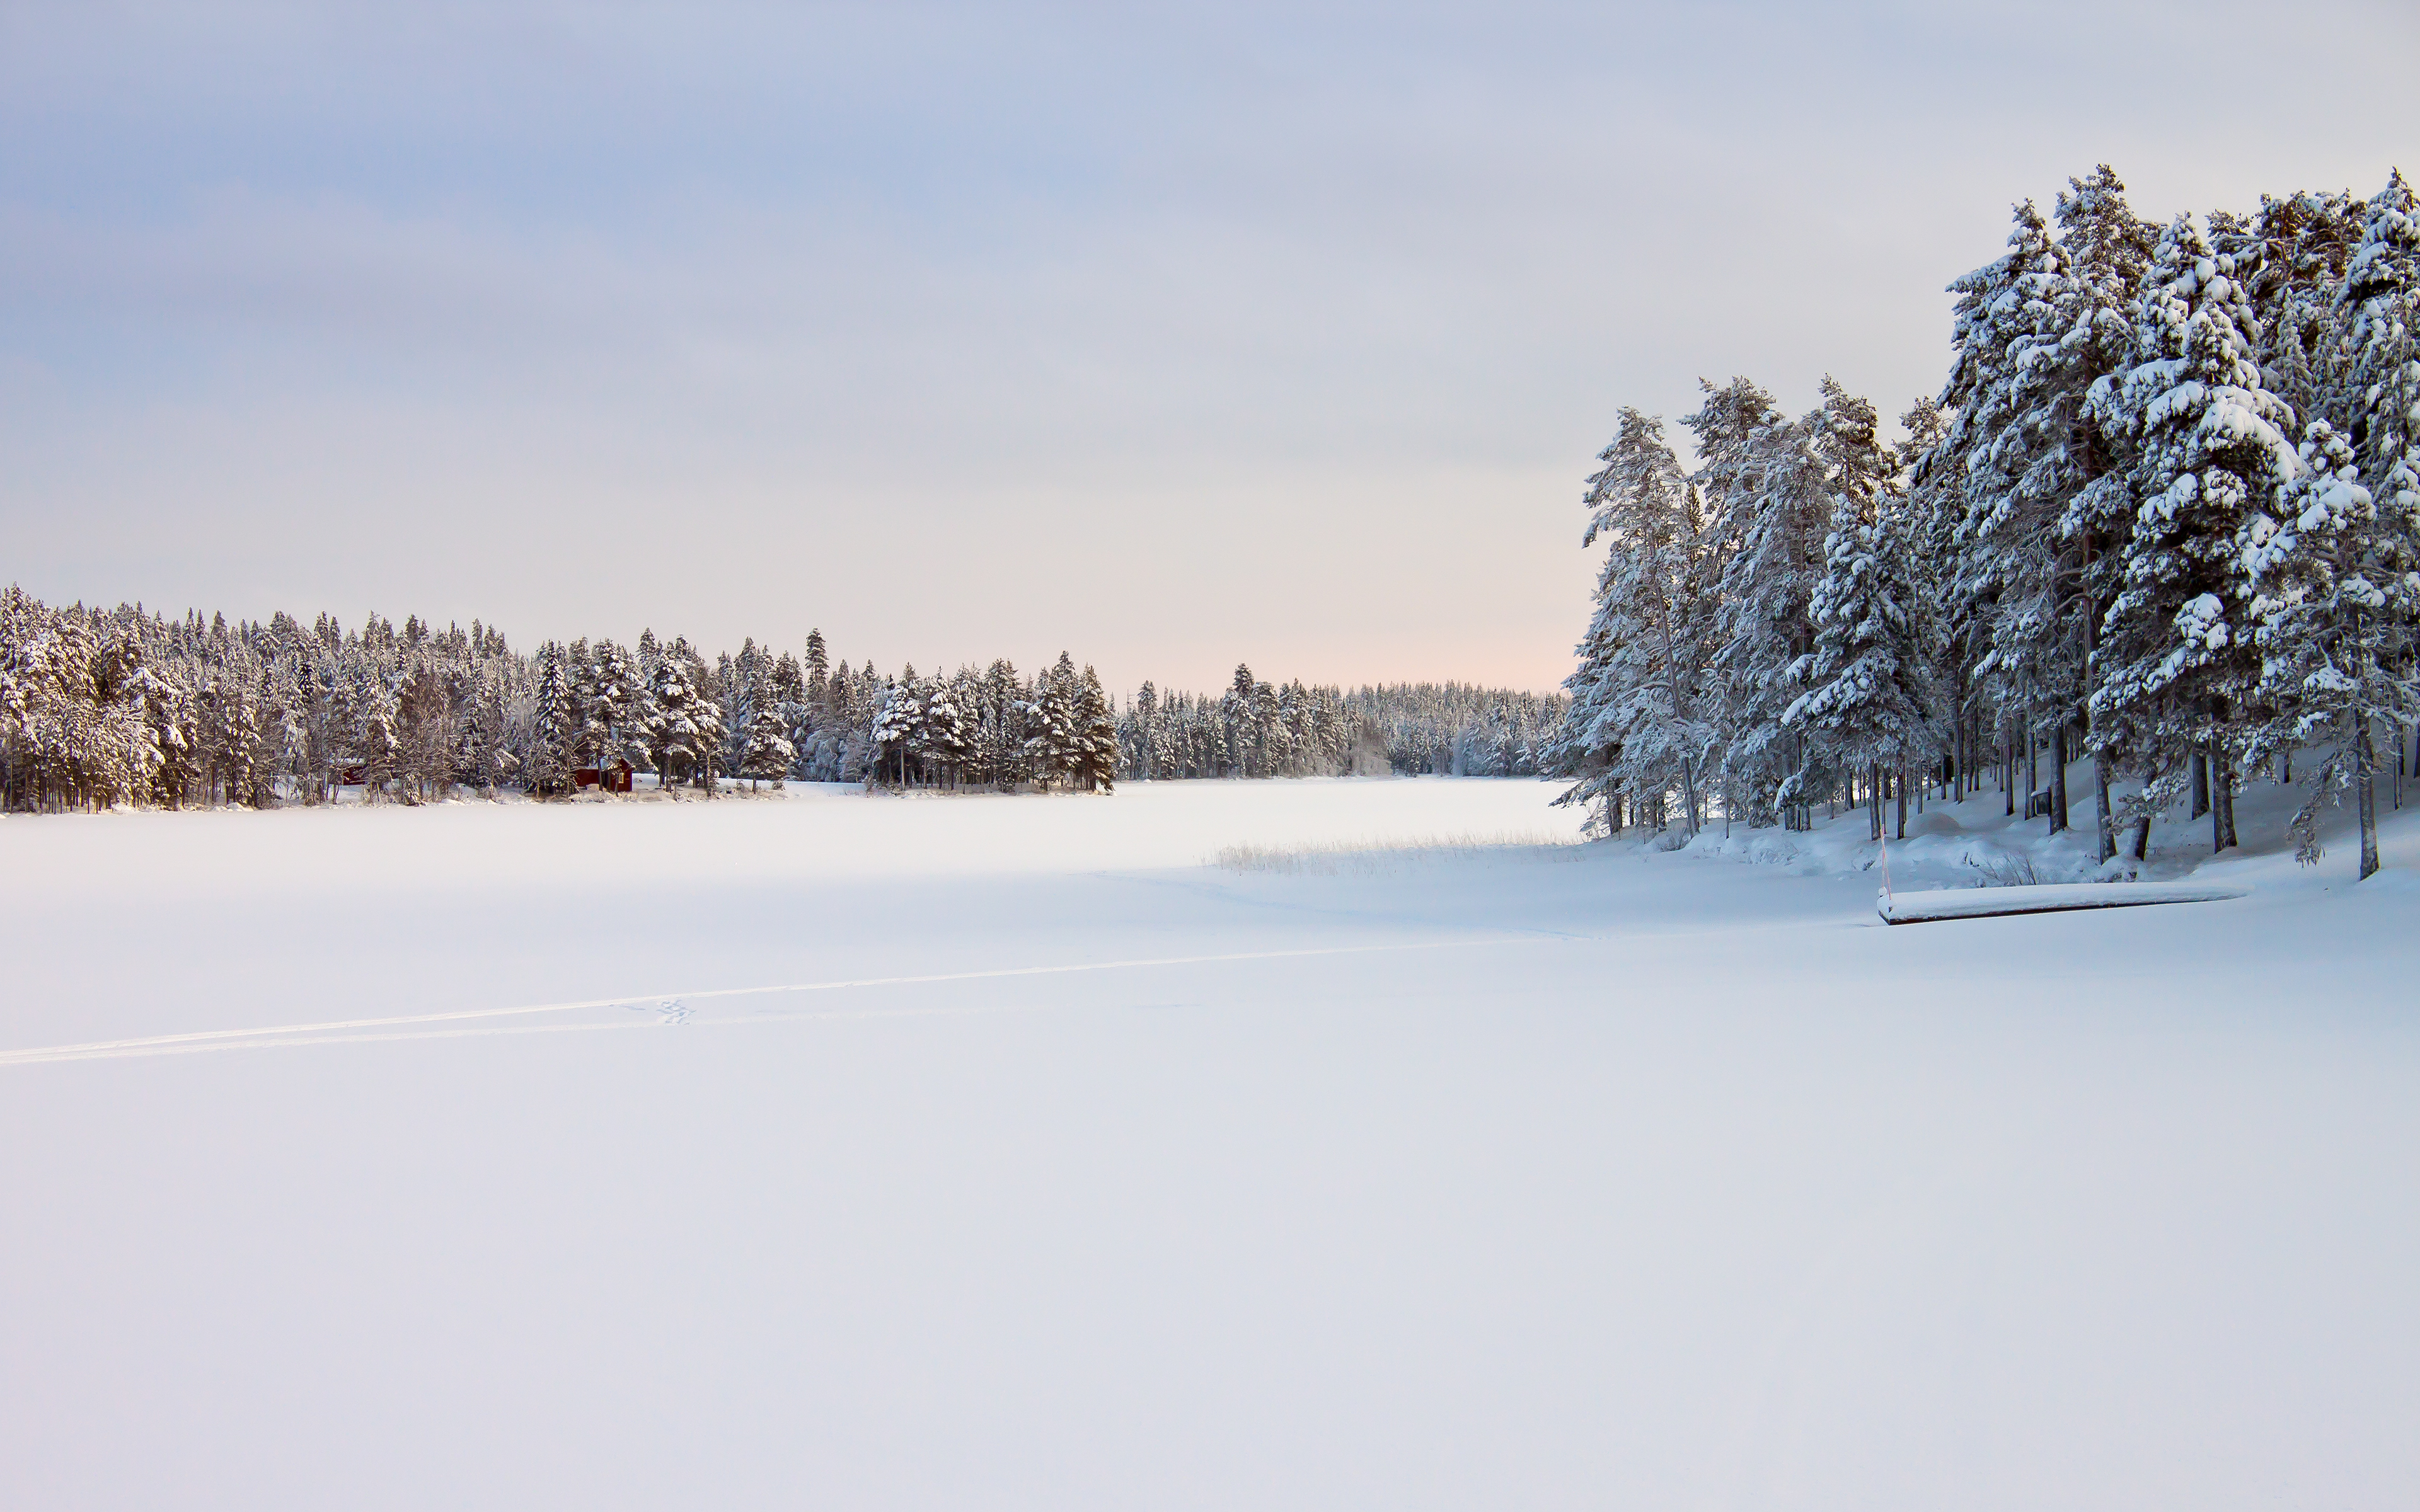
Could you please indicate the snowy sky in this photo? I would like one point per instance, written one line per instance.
(1170, 335)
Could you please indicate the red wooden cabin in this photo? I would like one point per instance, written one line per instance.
(613, 778)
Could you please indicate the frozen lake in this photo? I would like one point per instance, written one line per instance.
(1075, 1171)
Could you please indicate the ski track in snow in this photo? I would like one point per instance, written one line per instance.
(671, 1008)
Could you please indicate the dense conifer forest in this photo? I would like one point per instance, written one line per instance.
(2164, 517)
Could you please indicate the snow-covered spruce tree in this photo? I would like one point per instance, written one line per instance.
(2333, 582)
(2175, 663)
(1235, 707)
(1051, 725)
(592, 719)
(767, 754)
(547, 765)
(1634, 727)
(1094, 767)
(1144, 713)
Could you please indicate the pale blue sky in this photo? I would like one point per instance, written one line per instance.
(1173, 337)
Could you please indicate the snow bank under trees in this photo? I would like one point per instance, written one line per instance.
(1976, 844)
(1073, 1172)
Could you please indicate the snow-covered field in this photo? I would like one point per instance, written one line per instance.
(1077, 1172)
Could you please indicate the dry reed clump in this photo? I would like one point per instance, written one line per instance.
(2009, 871)
(1367, 857)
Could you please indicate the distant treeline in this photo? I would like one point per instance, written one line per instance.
(1259, 729)
(121, 706)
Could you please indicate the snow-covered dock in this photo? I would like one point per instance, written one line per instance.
(1988, 902)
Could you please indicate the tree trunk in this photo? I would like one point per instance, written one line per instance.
(2105, 823)
(2200, 785)
(2142, 844)
(2058, 777)
(2365, 796)
(1898, 785)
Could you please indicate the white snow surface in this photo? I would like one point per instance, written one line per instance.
(1535, 1176)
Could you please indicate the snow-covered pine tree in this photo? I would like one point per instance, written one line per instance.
(2002, 451)
(855, 698)
(957, 731)
(2108, 253)
(2382, 288)
(1634, 726)
(2290, 256)
(625, 705)
(2331, 580)
(1869, 695)
(896, 721)
(1778, 517)
(706, 712)
(375, 748)
(1000, 735)
(2175, 661)
(1934, 509)
(286, 728)
(818, 666)
(1727, 431)
(678, 746)
(486, 761)
(787, 692)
